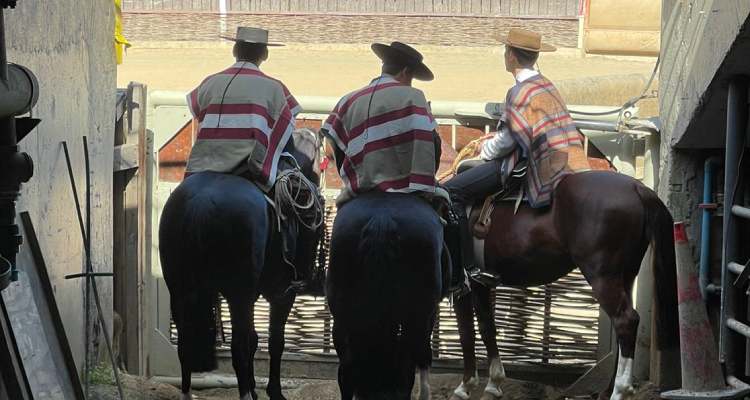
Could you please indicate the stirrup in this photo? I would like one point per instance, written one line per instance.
(484, 278)
(459, 291)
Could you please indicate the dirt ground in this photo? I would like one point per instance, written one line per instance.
(442, 386)
(462, 73)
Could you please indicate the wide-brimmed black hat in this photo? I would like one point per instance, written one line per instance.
(405, 55)
(246, 34)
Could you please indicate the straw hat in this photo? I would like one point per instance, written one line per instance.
(251, 35)
(406, 55)
(526, 40)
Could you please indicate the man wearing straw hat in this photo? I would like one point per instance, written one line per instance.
(536, 126)
(383, 134)
(246, 117)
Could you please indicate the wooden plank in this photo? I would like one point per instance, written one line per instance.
(119, 260)
(125, 157)
(146, 182)
(132, 277)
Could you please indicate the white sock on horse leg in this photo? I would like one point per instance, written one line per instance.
(424, 384)
(186, 396)
(624, 378)
(246, 397)
(496, 377)
(463, 391)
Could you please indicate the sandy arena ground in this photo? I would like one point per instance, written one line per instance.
(442, 386)
(462, 73)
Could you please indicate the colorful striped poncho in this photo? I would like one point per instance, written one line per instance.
(246, 119)
(386, 132)
(547, 136)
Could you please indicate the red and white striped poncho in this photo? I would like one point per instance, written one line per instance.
(246, 119)
(385, 131)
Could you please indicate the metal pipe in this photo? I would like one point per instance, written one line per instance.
(440, 109)
(596, 125)
(705, 260)
(735, 145)
(738, 327)
(7, 125)
(736, 268)
(3, 54)
(742, 212)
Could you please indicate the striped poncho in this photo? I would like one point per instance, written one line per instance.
(386, 133)
(547, 136)
(246, 119)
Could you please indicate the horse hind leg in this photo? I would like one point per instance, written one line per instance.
(279, 315)
(340, 342)
(185, 384)
(463, 307)
(244, 343)
(484, 306)
(424, 383)
(617, 302)
(424, 361)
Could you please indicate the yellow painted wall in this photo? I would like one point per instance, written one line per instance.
(622, 27)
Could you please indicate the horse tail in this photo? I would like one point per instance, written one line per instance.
(196, 325)
(193, 306)
(659, 227)
(379, 251)
(382, 363)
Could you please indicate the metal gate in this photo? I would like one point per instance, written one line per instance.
(734, 331)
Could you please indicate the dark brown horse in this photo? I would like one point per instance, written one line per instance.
(601, 222)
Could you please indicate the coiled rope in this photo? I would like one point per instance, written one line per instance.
(293, 191)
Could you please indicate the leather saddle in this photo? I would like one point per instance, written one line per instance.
(480, 218)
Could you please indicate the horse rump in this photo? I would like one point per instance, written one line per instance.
(383, 287)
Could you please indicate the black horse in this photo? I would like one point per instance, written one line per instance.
(383, 286)
(216, 236)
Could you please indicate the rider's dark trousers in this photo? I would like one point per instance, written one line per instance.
(474, 184)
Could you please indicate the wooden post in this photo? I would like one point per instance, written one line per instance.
(131, 214)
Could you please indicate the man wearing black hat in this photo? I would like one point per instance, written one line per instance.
(384, 135)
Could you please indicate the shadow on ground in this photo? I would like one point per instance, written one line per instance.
(442, 386)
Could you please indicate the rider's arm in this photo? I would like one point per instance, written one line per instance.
(498, 146)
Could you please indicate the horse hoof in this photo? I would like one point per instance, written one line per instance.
(491, 396)
(275, 394)
(250, 396)
(626, 393)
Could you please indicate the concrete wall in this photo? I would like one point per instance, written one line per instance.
(703, 43)
(69, 46)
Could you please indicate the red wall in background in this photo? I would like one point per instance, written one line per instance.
(174, 155)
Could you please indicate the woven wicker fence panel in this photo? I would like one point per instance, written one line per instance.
(552, 324)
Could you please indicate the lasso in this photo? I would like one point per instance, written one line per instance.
(293, 191)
